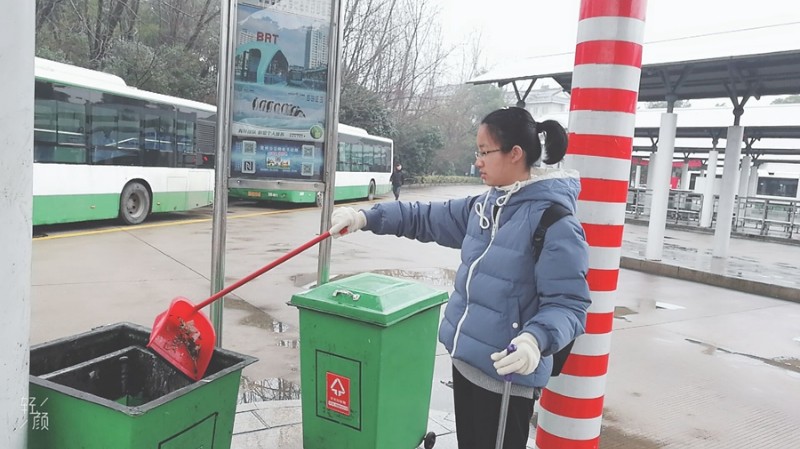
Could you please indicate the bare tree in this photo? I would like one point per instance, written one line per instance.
(107, 18)
(45, 10)
(393, 48)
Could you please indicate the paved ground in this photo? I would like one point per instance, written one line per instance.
(692, 365)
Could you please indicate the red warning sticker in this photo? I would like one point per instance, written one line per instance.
(337, 393)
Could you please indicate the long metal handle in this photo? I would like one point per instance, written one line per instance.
(263, 270)
(501, 423)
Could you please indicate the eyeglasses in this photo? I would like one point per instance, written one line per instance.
(482, 154)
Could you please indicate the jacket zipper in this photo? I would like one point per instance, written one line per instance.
(495, 221)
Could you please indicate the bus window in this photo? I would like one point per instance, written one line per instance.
(104, 135)
(44, 130)
(71, 134)
(184, 140)
(128, 144)
(385, 159)
(158, 135)
(357, 157)
(343, 158)
(369, 157)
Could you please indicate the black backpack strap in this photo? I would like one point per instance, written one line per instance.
(551, 215)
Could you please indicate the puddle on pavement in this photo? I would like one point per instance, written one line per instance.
(272, 389)
(304, 279)
(294, 344)
(621, 312)
(433, 276)
(262, 320)
(787, 363)
(440, 277)
(614, 438)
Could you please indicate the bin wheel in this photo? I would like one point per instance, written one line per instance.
(429, 440)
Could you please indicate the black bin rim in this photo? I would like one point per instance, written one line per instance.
(242, 360)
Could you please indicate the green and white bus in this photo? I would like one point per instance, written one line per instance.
(103, 149)
(363, 168)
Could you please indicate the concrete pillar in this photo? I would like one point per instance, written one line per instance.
(752, 183)
(744, 176)
(605, 86)
(16, 181)
(637, 177)
(651, 168)
(647, 195)
(684, 184)
(730, 172)
(663, 172)
(707, 212)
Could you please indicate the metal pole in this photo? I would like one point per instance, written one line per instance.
(219, 221)
(331, 137)
(16, 179)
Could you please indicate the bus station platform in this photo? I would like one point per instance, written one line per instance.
(702, 354)
(705, 352)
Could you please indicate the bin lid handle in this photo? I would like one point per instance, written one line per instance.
(355, 296)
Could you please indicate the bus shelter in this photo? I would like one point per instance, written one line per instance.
(700, 67)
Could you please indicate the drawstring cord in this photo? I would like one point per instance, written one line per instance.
(480, 208)
(514, 188)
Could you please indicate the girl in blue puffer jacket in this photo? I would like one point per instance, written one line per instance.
(500, 295)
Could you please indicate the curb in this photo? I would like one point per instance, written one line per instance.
(710, 231)
(717, 280)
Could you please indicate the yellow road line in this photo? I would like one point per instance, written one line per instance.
(161, 225)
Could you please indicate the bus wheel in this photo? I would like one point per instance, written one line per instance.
(134, 204)
(318, 199)
(371, 193)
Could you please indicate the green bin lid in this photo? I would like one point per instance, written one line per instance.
(372, 298)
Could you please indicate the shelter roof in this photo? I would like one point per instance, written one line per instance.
(773, 130)
(747, 62)
(750, 132)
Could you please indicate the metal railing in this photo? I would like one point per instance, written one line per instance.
(752, 215)
(767, 216)
(683, 207)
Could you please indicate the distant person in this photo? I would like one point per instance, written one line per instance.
(397, 179)
(500, 294)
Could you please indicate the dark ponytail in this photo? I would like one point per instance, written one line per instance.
(555, 141)
(515, 126)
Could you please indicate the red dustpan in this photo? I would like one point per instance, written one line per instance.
(184, 336)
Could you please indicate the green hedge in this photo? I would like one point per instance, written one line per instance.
(441, 179)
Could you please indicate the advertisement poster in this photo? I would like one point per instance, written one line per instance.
(280, 78)
(276, 158)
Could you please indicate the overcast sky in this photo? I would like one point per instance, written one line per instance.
(510, 29)
(521, 28)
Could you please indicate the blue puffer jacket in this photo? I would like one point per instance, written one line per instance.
(497, 292)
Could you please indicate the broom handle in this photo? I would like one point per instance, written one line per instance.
(263, 270)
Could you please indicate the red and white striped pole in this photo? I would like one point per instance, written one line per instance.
(605, 89)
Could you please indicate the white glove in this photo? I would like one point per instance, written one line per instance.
(345, 220)
(522, 361)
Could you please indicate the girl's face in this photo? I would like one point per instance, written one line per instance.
(496, 167)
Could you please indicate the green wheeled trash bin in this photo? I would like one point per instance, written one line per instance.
(104, 389)
(367, 349)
